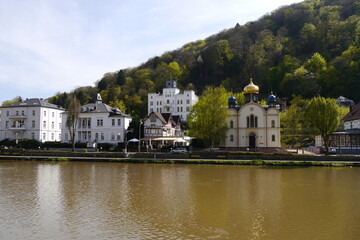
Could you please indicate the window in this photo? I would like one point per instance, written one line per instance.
(52, 125)
(33, 124)
(118, 136)
(272, 123)
(17, 113)
(22, 113)
(273, 138)
(113, 122)
(231, 138)
(53, 114)
(187, 109)
(52, 136)
(102, 136)
(252, 121)
(7, 113)
(33, 112)
(44, 113)
(168, 101)
(100, 122)
(44, 136)
(231, 124)
(32, 135)
(66, 136)
(119, 122)
(44, 124)
(112, 136)
(151, 103)
(96, 136)
(153, 119)
(151, 110)
(6, 124)
(187, 101)
(59, 125)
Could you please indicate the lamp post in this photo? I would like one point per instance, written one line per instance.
(141, 122)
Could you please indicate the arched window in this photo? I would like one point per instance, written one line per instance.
(252, 121)
(231, 138)
(273, 138)
(231, 124)
(272, 123)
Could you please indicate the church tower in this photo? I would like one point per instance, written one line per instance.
(251, 92)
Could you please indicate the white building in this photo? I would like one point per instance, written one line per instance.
(253, 125)
(33, 118)
(98, 123)
(172, 100)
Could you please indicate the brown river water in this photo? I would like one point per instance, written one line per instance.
(76, 200)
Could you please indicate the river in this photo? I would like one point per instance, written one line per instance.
(77, 200)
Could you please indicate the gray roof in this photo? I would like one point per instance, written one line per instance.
(33, 102)
(100, 107)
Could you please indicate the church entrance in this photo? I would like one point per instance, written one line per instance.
(252, 140)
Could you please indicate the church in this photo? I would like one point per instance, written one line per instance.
(253, 125)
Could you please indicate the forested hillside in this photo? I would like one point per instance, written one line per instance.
(307, 49)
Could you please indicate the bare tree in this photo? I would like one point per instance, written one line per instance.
(72, 117)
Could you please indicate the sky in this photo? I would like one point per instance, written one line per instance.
(50, 46)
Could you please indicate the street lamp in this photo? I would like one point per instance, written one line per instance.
(141, 122)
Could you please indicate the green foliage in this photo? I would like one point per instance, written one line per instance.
(308, 49)
(294, 132)
(207, 119)
(323, 116)
(14, 100)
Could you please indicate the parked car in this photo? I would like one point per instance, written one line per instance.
(178, 150)
(332, 150)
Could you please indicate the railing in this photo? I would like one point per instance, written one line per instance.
(18, 127)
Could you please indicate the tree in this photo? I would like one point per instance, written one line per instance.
(72, 118)
(293, 130)
(323, 115)
(14, 100)
(207, 119)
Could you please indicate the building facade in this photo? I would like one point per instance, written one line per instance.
(172, 100)
(98, 123)
(253, 125)
(346, 141)
(162, 129)
(33, 118)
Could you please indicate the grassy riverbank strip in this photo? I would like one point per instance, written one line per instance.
(254, 162)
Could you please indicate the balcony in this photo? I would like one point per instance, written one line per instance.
(18, 127)
(17, 117)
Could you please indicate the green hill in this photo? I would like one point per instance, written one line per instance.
(308, 49)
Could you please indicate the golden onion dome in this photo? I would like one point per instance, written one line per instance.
(251, 88)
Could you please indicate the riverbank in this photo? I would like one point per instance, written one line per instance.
(154, 159)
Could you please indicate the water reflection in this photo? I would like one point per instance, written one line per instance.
(140, 201)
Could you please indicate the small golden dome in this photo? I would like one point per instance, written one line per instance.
(251, 88)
